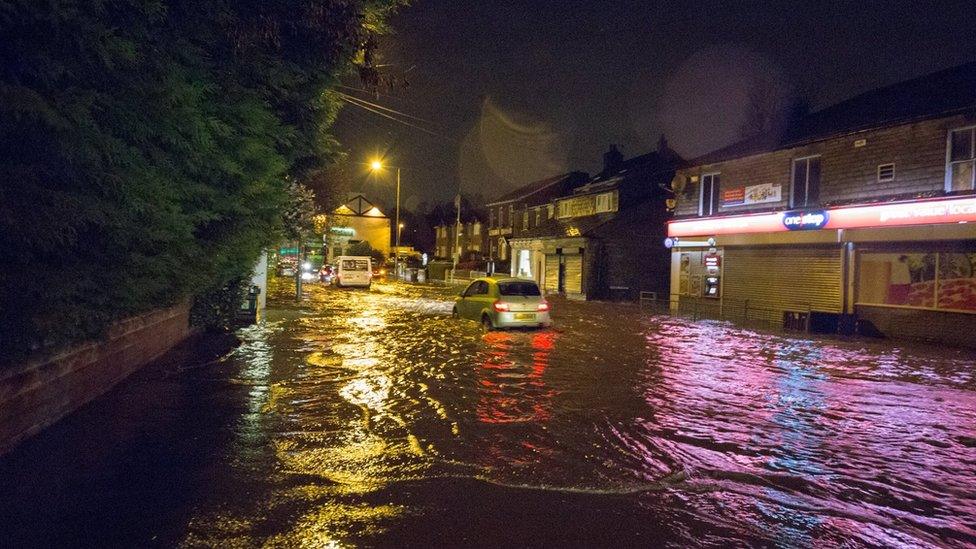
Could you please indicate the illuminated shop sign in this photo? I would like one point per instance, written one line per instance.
(922, 212)
(805, 220)
(342, 231)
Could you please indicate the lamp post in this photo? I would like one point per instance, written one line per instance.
(377, 165)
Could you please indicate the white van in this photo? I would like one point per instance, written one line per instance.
(353, 271)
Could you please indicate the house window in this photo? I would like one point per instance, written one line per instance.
(511, 216)
(477, 229)
(708, 200)
(525, 220)
(886, 172)
(806, 182)
(491, 217)
(961, 154)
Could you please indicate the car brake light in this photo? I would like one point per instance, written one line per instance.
(500, 306)
(543, 307)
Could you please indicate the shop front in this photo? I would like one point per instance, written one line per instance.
(901, 269)
(557, 264)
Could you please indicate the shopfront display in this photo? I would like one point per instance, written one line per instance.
(934, 280)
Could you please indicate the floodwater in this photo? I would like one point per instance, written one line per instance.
(374, 419)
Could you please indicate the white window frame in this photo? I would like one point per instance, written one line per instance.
(701, 192)
(806, 190)
(972, 156)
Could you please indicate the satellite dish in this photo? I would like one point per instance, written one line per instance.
(678, 183)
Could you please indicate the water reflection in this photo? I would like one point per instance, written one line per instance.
(746, 435)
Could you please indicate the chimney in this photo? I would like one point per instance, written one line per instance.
(612, 160)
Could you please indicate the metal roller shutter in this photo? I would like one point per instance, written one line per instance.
(574, 274)
(552, 273)
(780, 279)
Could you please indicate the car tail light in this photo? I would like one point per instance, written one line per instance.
(543, 307)
(501, 306)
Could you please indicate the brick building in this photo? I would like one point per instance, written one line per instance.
(515, 211)
(472, 241)
(859, 216)
(356, 220)
(582, 244)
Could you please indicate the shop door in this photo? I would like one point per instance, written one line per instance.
(774, 280)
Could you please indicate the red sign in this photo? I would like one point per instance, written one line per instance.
(921, 212)
(712, 261)
(734, 196)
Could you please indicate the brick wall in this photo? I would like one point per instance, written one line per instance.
(848, 173)
(40, 392)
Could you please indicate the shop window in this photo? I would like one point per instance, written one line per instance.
(806, 182)
(957, 281)
(709, 198)
(944, 280)
(961, 155)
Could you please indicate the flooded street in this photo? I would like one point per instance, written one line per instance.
(375, 419)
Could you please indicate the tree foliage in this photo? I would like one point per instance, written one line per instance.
(364, 248)
(146, 147)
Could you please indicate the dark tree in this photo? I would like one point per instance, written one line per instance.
(146, 147)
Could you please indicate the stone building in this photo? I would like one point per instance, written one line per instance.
(601, 239)
(859, 216)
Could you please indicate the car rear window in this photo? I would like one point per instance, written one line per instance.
(519, 288)
(354, 265)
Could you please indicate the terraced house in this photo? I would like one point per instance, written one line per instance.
(507, 214)
(601, 239)
(859, 217)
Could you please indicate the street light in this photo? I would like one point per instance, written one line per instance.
(377, 165)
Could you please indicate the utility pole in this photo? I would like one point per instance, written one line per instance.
(396, 256)
(298, 272)
(457, 234)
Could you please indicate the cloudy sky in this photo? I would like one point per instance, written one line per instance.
(513, 91)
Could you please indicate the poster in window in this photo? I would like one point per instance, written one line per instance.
(957, 281)
(695, 286)
(906, 279)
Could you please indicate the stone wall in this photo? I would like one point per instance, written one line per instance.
(918, 324)
(42, 391)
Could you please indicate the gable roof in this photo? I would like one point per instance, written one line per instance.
(647, 164)
(543, 189)
(360, 206)
(943, 93)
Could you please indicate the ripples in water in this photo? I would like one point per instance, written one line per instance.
(729, 434)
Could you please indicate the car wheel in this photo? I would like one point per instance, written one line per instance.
(368, 286)
(486, 324)
(454, 313)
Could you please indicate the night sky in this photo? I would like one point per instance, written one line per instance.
(518, 91)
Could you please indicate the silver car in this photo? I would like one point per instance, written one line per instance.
(498, 302)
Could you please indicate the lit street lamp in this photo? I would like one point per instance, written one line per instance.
(377, 165)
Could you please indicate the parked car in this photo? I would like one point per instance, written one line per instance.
(286, 267)
(379, 272)
(353, 271)
(503, 302)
